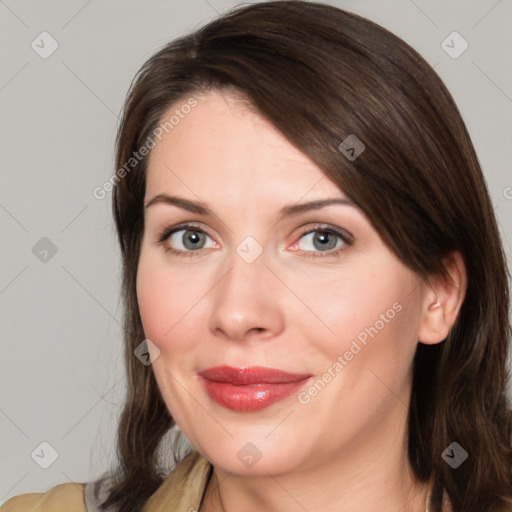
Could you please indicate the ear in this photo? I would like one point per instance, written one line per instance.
(443, 300)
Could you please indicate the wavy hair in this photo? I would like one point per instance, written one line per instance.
(319, 74)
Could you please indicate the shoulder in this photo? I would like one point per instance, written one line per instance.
(182, 489)
(68, 497)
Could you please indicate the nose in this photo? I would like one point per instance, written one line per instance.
(247, 301)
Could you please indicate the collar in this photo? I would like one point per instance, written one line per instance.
(184, 488)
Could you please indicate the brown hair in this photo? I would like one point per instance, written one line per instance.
(320, 74)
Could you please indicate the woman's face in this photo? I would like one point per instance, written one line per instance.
(258, 280)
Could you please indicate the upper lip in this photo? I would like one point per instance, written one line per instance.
(250, 375)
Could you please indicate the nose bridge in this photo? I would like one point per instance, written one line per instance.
(246, 301)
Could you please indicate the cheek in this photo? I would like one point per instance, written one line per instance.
(153, 300)
(169, 304)
(370, 307)
(159, 304)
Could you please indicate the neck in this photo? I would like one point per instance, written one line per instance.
(372, 474)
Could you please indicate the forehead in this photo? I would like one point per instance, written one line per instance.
(222, 145)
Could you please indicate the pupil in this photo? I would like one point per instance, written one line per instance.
(323, 240)
(192, 239)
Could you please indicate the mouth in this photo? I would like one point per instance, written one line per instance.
(250, 389)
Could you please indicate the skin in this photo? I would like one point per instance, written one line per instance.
(286, 310)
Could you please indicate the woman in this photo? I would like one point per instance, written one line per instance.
(315, 288)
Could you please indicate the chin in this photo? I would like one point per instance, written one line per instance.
(255, 455)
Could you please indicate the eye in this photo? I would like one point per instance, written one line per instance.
(184, 240)
(327, 240)
(188, 240)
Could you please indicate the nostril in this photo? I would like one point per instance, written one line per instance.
(257, 330)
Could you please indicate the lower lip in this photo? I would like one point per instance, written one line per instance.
(250, 397)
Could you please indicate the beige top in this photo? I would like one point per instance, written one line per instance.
(183, 490)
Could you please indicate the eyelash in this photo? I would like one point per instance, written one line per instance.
(163, 235)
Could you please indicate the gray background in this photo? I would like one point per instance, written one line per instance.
(61, 368)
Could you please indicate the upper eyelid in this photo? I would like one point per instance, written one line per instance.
(322, 226)
(185, 226)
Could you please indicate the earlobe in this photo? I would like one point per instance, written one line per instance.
(443, 300)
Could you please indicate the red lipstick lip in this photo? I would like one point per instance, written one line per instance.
(250, 389)
(250, 375)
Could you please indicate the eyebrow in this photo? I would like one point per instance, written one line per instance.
(286, 211)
